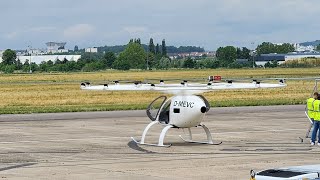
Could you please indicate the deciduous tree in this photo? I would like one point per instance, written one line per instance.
(267, 48)
(226, 55)
(108, 59)
(189, 63)
(151, 46)
(133, 57)
(164, 48)
(9, 57)
(157, 49)
(318, 47)
(76, 48)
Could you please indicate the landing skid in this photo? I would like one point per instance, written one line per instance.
(209, 137)
(199, 142)
(163, 134)
(148, 144)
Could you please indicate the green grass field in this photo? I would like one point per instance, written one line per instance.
(60, 92)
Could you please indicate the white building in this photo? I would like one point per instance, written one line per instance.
(281, 58)
(300, 48)
(91, 50)
(36, 52)
(46, 58)
(56, 47)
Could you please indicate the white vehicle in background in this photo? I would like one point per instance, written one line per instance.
(307, 172)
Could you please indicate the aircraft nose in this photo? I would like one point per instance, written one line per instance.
(203, 109)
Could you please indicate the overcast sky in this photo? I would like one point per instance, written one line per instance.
(205, 23)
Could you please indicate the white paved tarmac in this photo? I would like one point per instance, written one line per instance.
(97, 145)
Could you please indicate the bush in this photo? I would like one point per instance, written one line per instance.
(121, 65)
(189, 63)
(8, 69)
(302, 63)
(210, 63)
(235, 65)
(164, 63)
(273, 64)
(92, 67)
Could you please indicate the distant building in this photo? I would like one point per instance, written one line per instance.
(281, 58)
(191, 54)
(91, 50)
(56, 47)
(46, 58)
(39, 55)
(34, 52)
(300, 48)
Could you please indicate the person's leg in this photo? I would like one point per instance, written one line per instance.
(318, 122)
(314, 132)
(309, 134)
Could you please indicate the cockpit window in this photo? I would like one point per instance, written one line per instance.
(164, 114)
(154, 107)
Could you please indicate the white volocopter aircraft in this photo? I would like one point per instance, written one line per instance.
(306, 172)
(184, 109)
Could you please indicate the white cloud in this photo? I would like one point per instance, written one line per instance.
(43, 29)
(78, 31)
(25, 31)
(11, 35)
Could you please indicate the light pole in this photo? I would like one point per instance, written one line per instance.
(30, 51)
(147, 62)
(148, 57)
(253, 55)
(253, 60)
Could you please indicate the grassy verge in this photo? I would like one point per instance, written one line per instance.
(59, 92)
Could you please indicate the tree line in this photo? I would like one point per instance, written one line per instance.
(267, 48)
(133, 56)
(138, 56)
(170, 49)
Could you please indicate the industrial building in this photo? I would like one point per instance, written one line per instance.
(91, 50)
(41, 55)
(281, 58)
(56, 47)
(46, 58)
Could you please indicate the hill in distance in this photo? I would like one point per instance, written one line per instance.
(311, 43)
